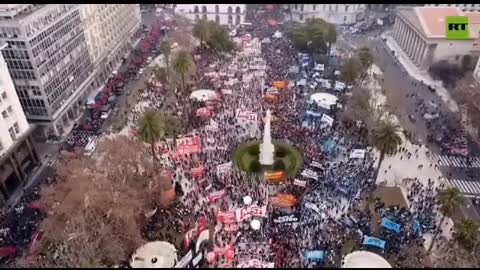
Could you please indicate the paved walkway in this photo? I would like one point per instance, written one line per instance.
(418, 74)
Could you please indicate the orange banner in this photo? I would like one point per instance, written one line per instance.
(280, 84)
(274, 177)
(284, 200)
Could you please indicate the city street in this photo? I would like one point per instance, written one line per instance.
(397, 86)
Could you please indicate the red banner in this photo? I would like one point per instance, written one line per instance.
(188, 145)
(217, 195)
(198, 172)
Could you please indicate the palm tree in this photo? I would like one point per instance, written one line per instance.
(467, 233)
(201, 31)
(152, 127)
(330, 36)
(449, 200)
(166, 49)
(183, 65)
(387, 140)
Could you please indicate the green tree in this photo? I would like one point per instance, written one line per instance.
(365, 57)
(467, 233)
(387, 140)
(350, 70)
(152, 127)
(166, 50)
(183, 65)
(219, 41)
(161, 75)
(330, 36)
(449, 200)
(201, 31)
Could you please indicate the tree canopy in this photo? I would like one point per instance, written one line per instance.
(96, 208)
(314, 36)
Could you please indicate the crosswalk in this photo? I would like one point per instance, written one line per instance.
(455, 161)
(468, 188)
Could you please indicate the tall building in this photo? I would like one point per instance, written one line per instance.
(49, 62)
(224, 14)
(341, 14)
(463, 7)
(110, 32)
(17, 154)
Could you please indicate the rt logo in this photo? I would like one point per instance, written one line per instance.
(457, 28)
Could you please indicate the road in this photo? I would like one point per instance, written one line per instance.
(397, 85)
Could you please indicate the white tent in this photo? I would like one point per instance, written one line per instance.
(157, 254)
(302, 82)
(203, 95)
(319, 67)
(364, 259)
(324, 100)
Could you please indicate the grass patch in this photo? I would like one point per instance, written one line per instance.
(287, 158)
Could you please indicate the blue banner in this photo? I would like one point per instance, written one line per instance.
(373, 241)
(314, 255)
(417, 229)
(314, 114)
(390, 225)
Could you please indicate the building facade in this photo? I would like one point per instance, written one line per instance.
(224, 14)
(341, 14)
(110, 32)
(420, 32)
(17, 154)
(463, 7)
(476, 71)
(49, 63)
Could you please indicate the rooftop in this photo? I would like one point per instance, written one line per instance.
(430, 21)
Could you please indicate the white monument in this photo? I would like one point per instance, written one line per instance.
(266, 147)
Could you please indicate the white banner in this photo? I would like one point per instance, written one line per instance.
(251, 211)
(358, 153)
(327, 120)
(255, 264)
(307, 173)
(246, 117)
(223, 168)
(313, 207)
(316, 164)
(300, 183)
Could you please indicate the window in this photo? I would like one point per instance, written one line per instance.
(12, 133)
(301, 7)
(204, 9)
(237, 19)
(4, 95)
(346, 8)
(195, 9)
(217, 19)
(5, 114)
(237, 10)
(296, 6)
(16, 127)
(229, 10)
(314, 7)
(217, 9)
(329, 7)
(9, 109)
(336, 8)
(301, 17)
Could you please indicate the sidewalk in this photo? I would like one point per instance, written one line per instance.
(418, 74)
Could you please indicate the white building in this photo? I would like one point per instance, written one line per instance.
(341, 14)
(49, 62)
(17, 155)
(224, 14)
(421, 33)
(110, 33)
(463, 7)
